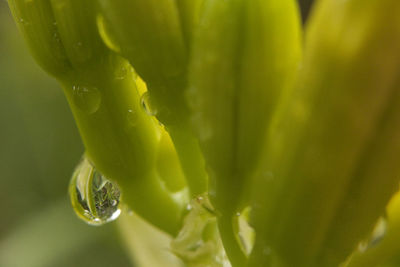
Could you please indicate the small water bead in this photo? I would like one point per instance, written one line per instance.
(376, 236)
(121, 73)
(146, 104)
(24, 22)
(106, 34)
(246, 232)
(86, 98)
(132, 118)
(94, 198)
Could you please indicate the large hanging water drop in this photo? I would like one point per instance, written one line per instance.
(94, 198)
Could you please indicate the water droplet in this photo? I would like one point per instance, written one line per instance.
(94, 198)
(266, 250)
(246, 232)
(56, 37)
(376, 236)
(132, 118)
(268, 176)
(24, 22)
(147, 105)
(121, 73)
(86, 98)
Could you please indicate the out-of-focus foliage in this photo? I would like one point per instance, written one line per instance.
(39, 147)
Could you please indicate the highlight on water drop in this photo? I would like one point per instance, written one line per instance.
(146, 104)
(86, 98)
(377, 234)
(95, 199)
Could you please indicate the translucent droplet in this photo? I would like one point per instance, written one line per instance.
(266, 250)
(78, 44)
(56, 37)
(86, 98)
(132, 118)
(121, 73)
(147, 105)
(94, 198)
(246, 232)
(24, 22)
(376, 236)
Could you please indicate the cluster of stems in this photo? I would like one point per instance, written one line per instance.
(236, 101)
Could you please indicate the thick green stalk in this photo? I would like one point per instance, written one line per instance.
(122, 142)
(150, 36)
(212, 90)
(244, 56)
(329, 142)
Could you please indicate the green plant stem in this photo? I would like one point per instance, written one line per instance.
(230, 241)
(168, 165)
(160, 59)
(122, 147)
(191, 159)
(329, 144)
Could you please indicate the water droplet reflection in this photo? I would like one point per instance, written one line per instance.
(94, 198)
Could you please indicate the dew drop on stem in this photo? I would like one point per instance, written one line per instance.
(132, 118)
(95, 199)
(86, 98)
(121, 73)
(376, 236)
(146, 104)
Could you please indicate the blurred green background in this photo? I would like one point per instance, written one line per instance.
(39, 147)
